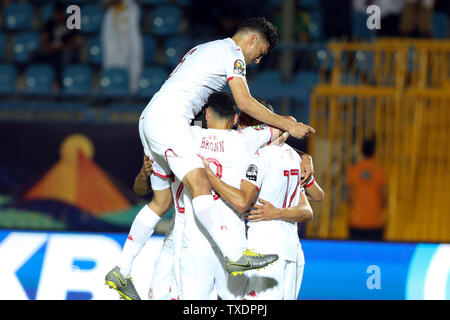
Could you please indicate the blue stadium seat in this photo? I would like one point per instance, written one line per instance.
(46, 12)
(440, 25)
(18, 16)
(8, 77)
(77, 79)
(302, 85)
(359, 27)
(2, 45)
(310, 4)
(91, 18)
(39, 79)
(149, 48)
(95, 50)
(174, 49)
(166, 19)
(152, 2)
(114, 81)
(267, 84)
(24, 44)
(315, 26)
(151, 80)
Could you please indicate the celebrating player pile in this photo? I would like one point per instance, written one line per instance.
(177, 150)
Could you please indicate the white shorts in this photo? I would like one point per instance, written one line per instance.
(279, 281)
(163, 285)
(171, 144)
(203, 276)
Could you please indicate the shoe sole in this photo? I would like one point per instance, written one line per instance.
(112, 285)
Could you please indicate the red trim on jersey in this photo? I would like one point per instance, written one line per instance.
(251, 183)
(311, 183)
(161, 175)
(230, 78)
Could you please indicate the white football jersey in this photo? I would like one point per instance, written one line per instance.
(275, 171)
(228, 152)
(203, 70)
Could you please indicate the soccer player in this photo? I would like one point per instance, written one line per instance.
(164, 284)
(202, 266)
(165, 121)
(273, 177)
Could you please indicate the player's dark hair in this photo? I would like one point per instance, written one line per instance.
(246, 120)
(264, 27)
(223, 104)
(368, 147)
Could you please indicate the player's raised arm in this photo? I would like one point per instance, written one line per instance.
(300, 213)
(241, 199)
(253, 108)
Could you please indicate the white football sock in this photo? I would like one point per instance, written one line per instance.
(140, 231)
(210, 217)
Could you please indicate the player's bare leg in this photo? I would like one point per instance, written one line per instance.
(141, 230)
(205, 210)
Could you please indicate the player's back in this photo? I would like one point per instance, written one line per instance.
(278, 167)
(228, 152)
(203, 70)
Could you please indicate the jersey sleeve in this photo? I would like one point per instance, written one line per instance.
(235, 64)
(256, 171)
(258, 136)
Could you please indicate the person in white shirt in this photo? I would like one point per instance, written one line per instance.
(273, 181)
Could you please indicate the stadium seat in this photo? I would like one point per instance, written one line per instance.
(174, 50)
(440, 25)
(152, 2)
(166, 19)
(114, 81)
(77, 79)
(95, 50)
(24, 44)
(151, 80)
(359, 27)
(2, 45)
(39, 79)
(46, 12)
(8, 77)
(18, 16)
(310, 4)
(315, 26)
(91, 18)
(302, 85)
(149, 47)
(267, 84)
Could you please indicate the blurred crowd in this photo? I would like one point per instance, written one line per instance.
(125, 22)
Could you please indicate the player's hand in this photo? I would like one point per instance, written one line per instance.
(148, 166)
(306, 168)
(300, 130)
(263, 212)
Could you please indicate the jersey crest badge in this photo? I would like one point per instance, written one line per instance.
(239, 67)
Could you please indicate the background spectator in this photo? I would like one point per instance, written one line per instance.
(122, 39)
(59, 45)
(366, 194)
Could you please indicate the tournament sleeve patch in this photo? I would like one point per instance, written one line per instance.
(252, 172)
(239, 67)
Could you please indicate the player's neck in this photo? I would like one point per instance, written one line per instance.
(219, 125)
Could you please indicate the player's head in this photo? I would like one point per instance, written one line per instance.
(246, 121)
(256, 37)
(221, 110)
(368, 147)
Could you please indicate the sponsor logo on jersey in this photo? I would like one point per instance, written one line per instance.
(252, 172)
(239, 67)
